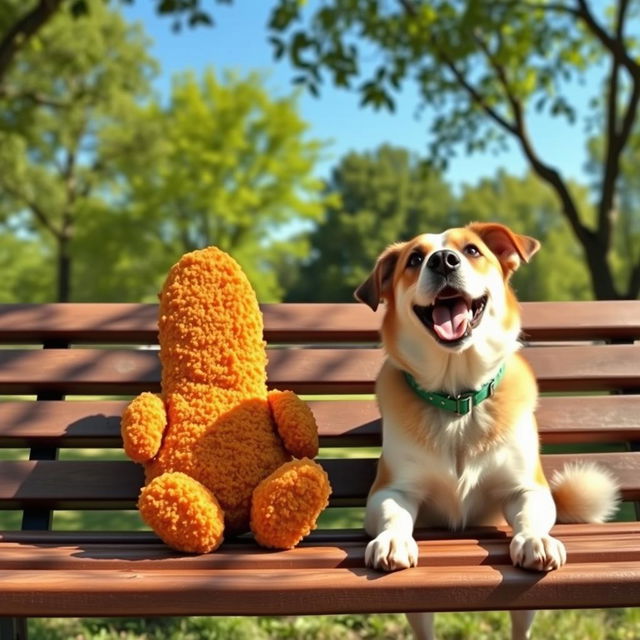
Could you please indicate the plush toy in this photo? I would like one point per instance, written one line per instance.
(220, 452)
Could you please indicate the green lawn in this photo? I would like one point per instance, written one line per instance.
(612, 624)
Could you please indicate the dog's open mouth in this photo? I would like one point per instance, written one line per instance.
(453, 315)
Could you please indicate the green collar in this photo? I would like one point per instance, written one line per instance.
(461, 404)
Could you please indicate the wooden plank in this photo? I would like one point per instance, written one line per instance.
(78, 322)
(115, 484)
(589, 419)
(120, 371)
(602, 545)
(324, 322)
(61, 423)
(139, 592)
(588, 320)
(87, 423)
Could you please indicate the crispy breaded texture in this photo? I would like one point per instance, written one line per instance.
(184, 512)
(214, 382)
(220, 434)
(143, 444)
(296, 424)
(287, 504)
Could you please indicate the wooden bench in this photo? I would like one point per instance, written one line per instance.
(65, 374)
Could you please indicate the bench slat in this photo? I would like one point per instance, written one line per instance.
(136, 323)
(117, 371)
(141, 592)
(605, 546)
(340, 422)
(115, 484)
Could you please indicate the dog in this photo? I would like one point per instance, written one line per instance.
(460, 441)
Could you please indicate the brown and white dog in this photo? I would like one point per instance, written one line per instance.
(451, 328)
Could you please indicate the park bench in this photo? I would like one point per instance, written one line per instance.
(67, 370)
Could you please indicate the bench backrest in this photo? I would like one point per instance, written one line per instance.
(67, 371)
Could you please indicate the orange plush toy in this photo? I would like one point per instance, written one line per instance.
(220, 452)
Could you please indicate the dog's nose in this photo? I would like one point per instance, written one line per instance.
(443, 262)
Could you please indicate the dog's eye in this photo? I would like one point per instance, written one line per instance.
(415, 259)
(472, 250)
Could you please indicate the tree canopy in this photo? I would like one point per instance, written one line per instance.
(114, 185)
(388, 195)
(482, 69)
(22, 20)
(377, 198)
(227, 165)
(75, 77)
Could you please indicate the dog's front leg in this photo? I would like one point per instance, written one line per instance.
(531, 513)
(391, 514)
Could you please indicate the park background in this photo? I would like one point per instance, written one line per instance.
(303, 137)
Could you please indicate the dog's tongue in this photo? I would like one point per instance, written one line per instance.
(450, 320)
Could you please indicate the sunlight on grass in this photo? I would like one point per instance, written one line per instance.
(108, 520)
(598, 624)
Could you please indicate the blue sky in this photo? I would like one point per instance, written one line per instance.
(239, 42)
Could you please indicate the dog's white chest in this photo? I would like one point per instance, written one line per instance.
(456, 483)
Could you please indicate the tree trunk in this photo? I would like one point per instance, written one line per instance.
(24, 28)
(602, 283)
(64, 271)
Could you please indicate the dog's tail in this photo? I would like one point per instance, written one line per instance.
(584, 492)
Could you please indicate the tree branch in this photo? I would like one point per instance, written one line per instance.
(37, 98)
(550, 6)
(407, 5)
(35, 209)
(614, 44)
(476, 95)
(519, 130)
(501, 74)
(634, 283)
(23, 30)
(613, 140)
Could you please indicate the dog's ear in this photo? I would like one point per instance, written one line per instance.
(378, 284)
(510, 248)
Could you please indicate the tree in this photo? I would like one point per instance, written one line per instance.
(21, 20)
(376, 198)
(24, 267)
(227, 165)
(484, 67)
(626, 212)
(78, 75)
(528, 206)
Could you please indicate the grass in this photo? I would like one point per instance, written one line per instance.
(605, 624)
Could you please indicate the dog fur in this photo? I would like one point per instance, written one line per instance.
(452, 321)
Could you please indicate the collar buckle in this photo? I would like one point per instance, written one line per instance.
(464, 403)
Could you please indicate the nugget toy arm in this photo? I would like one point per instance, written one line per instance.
(142, 426)
(295, 423)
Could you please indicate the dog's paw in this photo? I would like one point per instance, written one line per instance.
(391, 551)
(539, 553)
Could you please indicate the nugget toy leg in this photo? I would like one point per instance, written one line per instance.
(183, 512)
(142, 426)
(286, 504)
